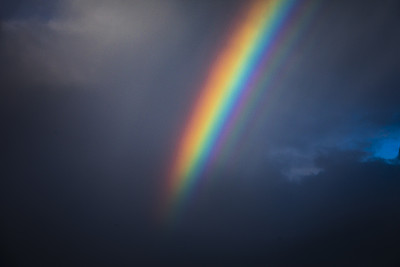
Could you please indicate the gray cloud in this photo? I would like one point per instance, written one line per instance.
(83, 40)
(96, 93)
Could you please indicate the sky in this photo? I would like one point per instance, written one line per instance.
(97, 99)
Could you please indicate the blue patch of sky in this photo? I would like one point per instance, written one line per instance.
(387, 148)
(385, 145)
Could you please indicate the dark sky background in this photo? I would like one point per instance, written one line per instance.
(94, 94)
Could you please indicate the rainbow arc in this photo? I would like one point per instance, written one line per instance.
(253, 54)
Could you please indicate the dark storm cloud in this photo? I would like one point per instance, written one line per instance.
(345, 215)
(87, 121)
(95, 93)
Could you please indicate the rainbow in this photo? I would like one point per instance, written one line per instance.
(249, 62)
